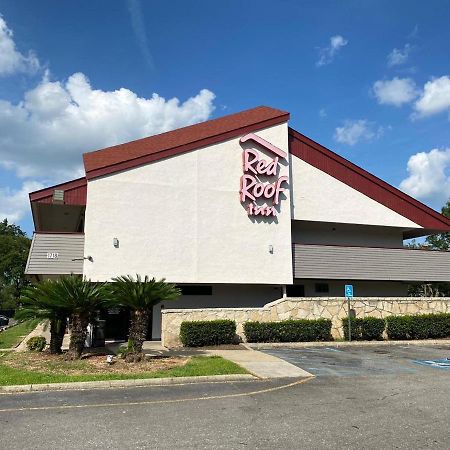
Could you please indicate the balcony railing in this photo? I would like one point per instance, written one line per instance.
(369, 263)
(56, 254)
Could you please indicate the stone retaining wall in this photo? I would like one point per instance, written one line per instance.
(334, 308)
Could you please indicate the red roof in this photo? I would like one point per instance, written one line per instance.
(366, 183)
(143, 151)
(74, 192)
(153, 148)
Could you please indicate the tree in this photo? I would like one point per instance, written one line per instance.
(68, 296)
(83, 299)
(434, 242)
(140, 294)
(441, 241)
(14, 248)
(43, 301)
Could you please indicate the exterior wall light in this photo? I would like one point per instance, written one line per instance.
(116, 242)
(271, 249)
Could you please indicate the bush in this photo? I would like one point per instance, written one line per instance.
(288, 331)
(423, 326)
(36, 343)
(208, 332)
(365, 328)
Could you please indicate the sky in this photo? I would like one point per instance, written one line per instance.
(368, 79)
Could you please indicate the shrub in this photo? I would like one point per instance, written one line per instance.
(422, 326)
(288, 331)
(36, 343)
(365, 328)
(208, 332)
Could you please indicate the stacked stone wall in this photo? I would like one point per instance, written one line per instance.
(333, 308)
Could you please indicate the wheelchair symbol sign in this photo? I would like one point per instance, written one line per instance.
(349, 290)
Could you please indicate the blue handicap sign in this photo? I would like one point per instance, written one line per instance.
(349, 290)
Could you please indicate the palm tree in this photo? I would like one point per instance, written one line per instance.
(40, 301)
(83, 298)
(58, 299)
(140, 294)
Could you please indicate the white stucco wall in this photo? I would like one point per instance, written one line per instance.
(181, 219)
(223, 296)
(317, 196)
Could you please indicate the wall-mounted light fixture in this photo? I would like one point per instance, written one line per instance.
(271, 249)
(116, 242)
(89, 258)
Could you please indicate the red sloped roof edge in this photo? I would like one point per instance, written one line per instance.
(75, 192)
(99, 168)
(354, 176)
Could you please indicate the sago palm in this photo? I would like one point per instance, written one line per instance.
(83, 299)
(42, 301)
(140, 295)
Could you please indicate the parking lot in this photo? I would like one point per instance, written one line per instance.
(366, 361)
(362, 397)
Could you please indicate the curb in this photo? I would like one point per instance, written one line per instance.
(258, 346)
(105, 384)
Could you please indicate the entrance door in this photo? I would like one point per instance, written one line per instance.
(117, 323)
(295, 290)
(148, 337)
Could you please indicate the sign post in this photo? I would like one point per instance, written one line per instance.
(349, 296)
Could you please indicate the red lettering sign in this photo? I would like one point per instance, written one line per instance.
(254, 183)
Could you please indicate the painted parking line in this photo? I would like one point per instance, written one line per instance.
(435, 363)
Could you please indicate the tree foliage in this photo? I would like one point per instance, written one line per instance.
(68, 296)
(43, 301)
(14, 248)
(140, 294)
(441, 241)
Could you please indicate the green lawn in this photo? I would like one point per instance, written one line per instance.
(13, 335)
(197, 366)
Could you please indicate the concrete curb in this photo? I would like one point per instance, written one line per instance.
(257, 346)
(80, 385)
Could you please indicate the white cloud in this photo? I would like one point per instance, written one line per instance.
(327, 54)
(322, 113)
(43, 136)
(435, 97)
(14, 204)
(397, 91)
(354, 131)
(46, 133)
(11, 60)
(399, 56)
(428, 176)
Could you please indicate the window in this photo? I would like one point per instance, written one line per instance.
(295, 290)
(196, 290)
(322, 288)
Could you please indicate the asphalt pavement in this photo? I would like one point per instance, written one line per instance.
(404, 408)
(365, 360)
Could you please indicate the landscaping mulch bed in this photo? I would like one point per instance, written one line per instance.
(90, 364)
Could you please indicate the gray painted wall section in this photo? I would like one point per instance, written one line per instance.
(363, 263)
(67, 247)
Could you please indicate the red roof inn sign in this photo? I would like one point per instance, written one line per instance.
(256, 182)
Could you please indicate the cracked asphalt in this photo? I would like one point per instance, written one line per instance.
(367, 398)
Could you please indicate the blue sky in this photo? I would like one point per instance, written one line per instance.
(370, 80)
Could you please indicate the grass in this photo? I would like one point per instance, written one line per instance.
(196, 366)
(14, 335)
